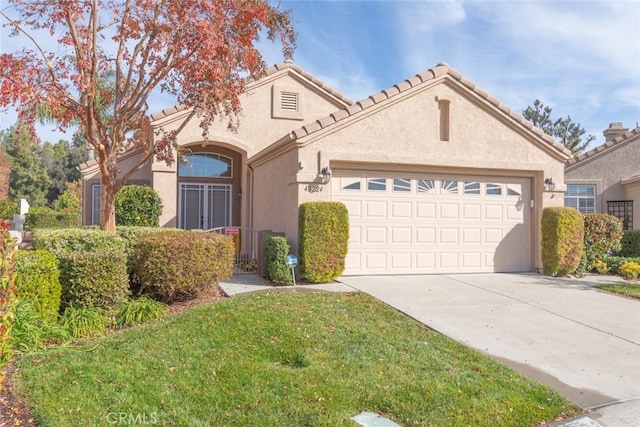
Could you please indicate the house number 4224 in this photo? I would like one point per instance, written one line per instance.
(313, 188)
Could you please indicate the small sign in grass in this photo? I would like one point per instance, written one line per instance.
(626, 289)
(281, 359)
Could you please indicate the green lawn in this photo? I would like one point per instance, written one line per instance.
(280, 359)
(627, 289)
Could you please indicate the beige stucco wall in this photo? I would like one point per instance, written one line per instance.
(606, 170)
(633, 193)
(259, 127)
(404, 136)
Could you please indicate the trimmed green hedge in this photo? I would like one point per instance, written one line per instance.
(94, 279)
(323, 232)
(8, 208)
(48, 218)
(62, 241)
(276, 250)
(630, 244)
(176, 265)
(38, 280)
(562, 240)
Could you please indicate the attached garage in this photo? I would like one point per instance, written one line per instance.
(432, 223)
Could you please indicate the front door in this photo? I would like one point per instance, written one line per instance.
(204, 206)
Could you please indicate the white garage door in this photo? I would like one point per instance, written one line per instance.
(402, 223)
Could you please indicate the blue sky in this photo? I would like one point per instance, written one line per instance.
(581, 58)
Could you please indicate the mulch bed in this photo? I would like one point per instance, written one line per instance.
(13, 411)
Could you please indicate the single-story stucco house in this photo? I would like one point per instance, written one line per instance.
(438, 175)
(607, 178)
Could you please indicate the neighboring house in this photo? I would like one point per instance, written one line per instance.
(607, 178)
(438, 175)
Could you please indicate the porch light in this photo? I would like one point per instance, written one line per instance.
(240, 193)
(550, 184)
(326, 174)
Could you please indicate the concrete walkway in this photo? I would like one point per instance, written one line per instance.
(564, 333)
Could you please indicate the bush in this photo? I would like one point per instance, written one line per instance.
(276, 250)
(615, 263)
(63, 241)
(562, 240)
(8, 208)
(602, 234)
(138, 205)
(38, 218)
(67, 202)
(630, 244)
(630, 270)
(176, 265)
(84, 322)
(323, 230)
(38, 280)
(140, 310)
(7, 294)
(94, 279)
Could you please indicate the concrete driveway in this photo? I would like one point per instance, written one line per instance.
(582, 342)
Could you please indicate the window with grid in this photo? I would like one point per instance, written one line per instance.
(581, 197)
(622, 209)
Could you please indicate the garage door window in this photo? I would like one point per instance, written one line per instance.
(449, 187)
(401, 184)
(494, 189)
(471, 188)
(377, 184)
(426, 186)
(352, 184)
(514, 190)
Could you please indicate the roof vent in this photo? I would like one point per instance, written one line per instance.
(289, 101)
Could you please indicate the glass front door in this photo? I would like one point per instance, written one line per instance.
(204, 206)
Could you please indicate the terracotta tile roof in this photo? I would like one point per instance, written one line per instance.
(269, 71)
(626, 137)
(442, 69)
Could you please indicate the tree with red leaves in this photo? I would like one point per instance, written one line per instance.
(111, 55)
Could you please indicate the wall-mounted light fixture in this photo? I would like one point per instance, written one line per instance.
(240, 193)
(550, 184)
(326, 174)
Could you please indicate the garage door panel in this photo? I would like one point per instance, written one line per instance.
(449, 210)
(425, 210)
(432, 224)
(401, 210)
(401, 235)
(376, 209)
(375, 235)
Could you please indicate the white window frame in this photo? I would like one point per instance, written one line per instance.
(578, 198)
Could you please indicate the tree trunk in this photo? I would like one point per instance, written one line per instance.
(108, 203)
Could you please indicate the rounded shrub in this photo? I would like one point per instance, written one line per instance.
(38, 280)
(276, 250)
(8, 208)
(138, 205)
(630, 244)
(175, 265)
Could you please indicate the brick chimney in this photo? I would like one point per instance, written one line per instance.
(615, 130)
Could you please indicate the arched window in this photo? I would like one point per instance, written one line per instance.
(205, 165)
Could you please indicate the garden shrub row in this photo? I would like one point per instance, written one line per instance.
(7, 295)
(630, 244)
(38, 218)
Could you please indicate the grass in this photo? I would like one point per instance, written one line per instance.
(285, 359)
(626, 289)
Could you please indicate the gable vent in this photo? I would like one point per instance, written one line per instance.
(289, 101)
